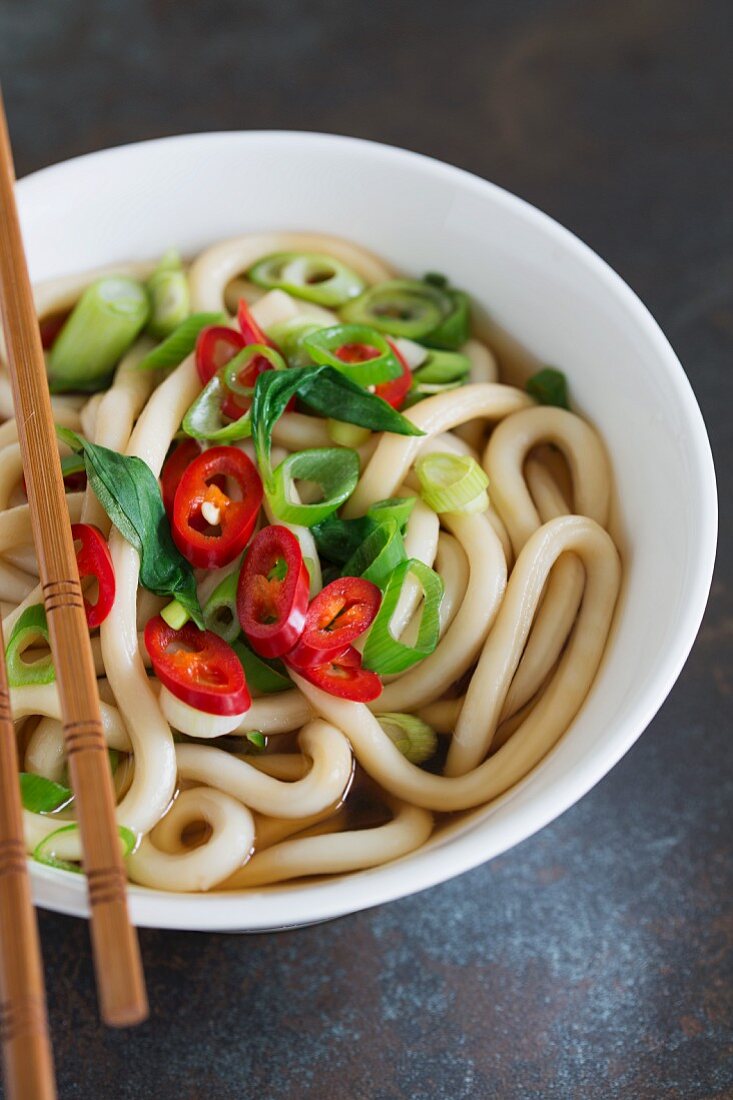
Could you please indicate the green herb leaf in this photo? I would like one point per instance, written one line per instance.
(130, 495)
(41, 795)
(549, 386)
(181, 342)
(328, 392)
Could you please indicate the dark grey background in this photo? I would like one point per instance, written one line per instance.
(594, 960)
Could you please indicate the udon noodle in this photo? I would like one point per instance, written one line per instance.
(305, 782)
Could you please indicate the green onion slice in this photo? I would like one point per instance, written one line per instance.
(323, 344)
(72, 464)
(335, 470)
(205, 420)
(549, 386)
(442, 368)
(347, 435)
(311, 276)
(385, 654)
(379, 555)
(44, 851)
(169, 296)
(175, 614)
(30, 627)
(41, 795)
(401, 307)
(455, 328)
(102, 326)
(397, 508)
(180, 343)
(267, 677)
(220, 610)
(289, 336)
(452, 483)
(416, 740)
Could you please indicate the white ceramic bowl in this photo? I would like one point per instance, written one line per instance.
(540, 283)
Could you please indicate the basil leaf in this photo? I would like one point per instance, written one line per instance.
(549, 387)
(128, 491)
(41, 795)
(328, 392)
(181, 342)
(338, 540)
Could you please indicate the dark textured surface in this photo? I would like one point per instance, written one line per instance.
(594, 960)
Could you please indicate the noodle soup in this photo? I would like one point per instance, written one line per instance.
(344, 579)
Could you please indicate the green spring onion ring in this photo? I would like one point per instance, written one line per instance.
(179, 344)
(442, 368)
(452, 483)
(401, 307)
(102, 326)
(416, 740)
(169, 296)
(381, 552)
(397, 508)
(30, 627)
(334, 469)
(311, 276)
(43, 852)
(204, 419)
(289, 336)
(323, 344)
(385, 654)
(42, 796)
(220, 610)
(267, 677)
(453, 330)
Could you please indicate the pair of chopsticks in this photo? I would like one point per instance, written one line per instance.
(120, 982)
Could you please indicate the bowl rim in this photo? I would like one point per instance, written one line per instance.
(262, 910)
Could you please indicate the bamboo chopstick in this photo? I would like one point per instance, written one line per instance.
(116, 952)
(27, 1059)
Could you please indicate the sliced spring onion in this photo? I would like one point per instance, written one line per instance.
(267, 677)
(101, 327)
(452, 483)
(257, 740)
(416, 740)
(205, 419)
(549, 386)
(30, 627)
(397, 508)
(385, 654)
(442, 368)
(169, 296)
(175, 614)
(401, 307)
(44, 851)
(308, 275)
(180, 343)
(455, 328)
(220, 610)
(289, 336)
(335, 470)
(323, 345)
(41, 795)
(72, 464)
(347, 435)
(379, 555)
